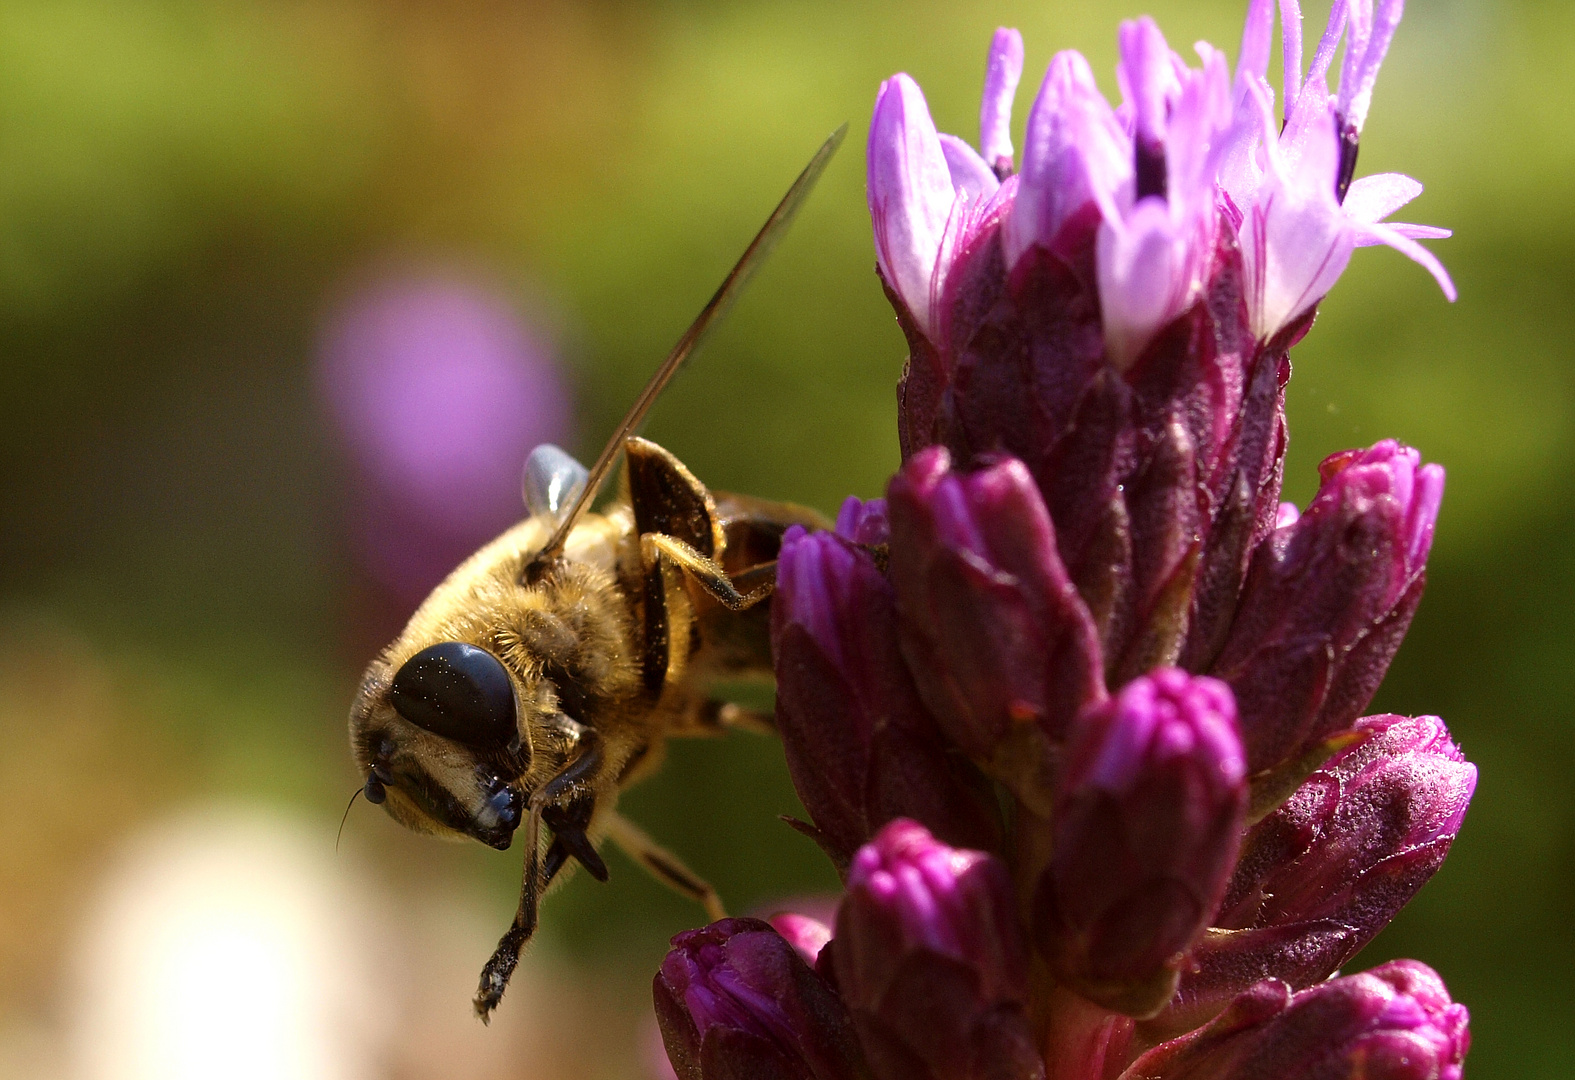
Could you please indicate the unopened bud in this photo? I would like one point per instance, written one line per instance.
(737, 1002)
(1395, 1022)
(929, 958)
(1328, 599)
(1001, 645)
(1319, 877)
(861, 748)
(1146, 831)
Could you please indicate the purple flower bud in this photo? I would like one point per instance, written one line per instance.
(1001, 646)
(1319, 877)
(1328, 600)
(1395, 1022)
(736, 1002)
(1147, 826)
(929, 958)
(861, 748)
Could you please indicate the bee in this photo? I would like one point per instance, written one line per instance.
(544, 675)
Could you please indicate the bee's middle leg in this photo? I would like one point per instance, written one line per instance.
(664, 866)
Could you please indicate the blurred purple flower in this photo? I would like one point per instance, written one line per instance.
(438, 390)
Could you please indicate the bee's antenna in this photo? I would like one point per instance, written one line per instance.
(346, 817)
(723, 299)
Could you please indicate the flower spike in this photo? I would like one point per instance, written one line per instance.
(1076, 710)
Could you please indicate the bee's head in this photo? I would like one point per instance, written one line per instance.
(438, 738)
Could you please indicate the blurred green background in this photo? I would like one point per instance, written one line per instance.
(185, 185)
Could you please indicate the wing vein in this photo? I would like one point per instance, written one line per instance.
(760, 247)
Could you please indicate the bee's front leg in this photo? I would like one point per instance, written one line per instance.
(495, 976)
(566, 785)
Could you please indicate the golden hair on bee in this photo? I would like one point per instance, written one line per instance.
(545, 673)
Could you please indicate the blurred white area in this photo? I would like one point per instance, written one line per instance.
(229, 944)
(234, 943)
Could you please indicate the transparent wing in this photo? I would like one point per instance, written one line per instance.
(731, 286)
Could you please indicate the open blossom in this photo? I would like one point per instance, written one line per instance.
(1077, 709)
(1191, 151)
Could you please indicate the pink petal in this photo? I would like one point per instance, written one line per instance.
(1367, 42)
(1256, 38)
(1373, 198)
(910, 192)
(1003, 71)
(1300, 240)
(1290, 52)
(1199, 120)
(1144, 271)
(1405, 228)
(1147, 77)
(1388, 234)
(1075, 152)
(971, 177)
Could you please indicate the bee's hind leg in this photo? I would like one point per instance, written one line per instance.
(664, 866)
(759, 581)
(715, 717)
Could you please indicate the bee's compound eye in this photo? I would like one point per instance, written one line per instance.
(374, 791)
(459, 692)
